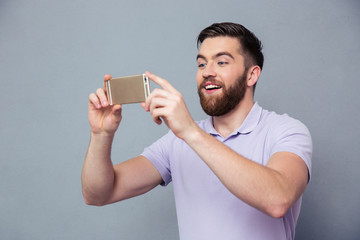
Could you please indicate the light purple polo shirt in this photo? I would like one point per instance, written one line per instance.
(206, 209)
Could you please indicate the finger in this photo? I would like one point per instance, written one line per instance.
(160, 81)
(157, 119)
(158, 109)
(102, 97)
(94, 101)
(116, 109)
(158, 103)
(157, 93)
(106, 77)
(157, 115)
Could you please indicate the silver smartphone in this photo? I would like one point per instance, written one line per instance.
(129, 89)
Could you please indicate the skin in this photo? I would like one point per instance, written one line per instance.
(272, 189)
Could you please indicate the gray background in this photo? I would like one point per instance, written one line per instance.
(54, 53)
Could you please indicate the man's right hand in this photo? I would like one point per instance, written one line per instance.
(103, 118)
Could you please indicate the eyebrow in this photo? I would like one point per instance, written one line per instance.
(216, 56)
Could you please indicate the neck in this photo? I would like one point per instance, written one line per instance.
(226, 124)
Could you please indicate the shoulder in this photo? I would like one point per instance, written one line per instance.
(287, 134)
(278, 124)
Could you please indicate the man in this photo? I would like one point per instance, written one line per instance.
(239, 174)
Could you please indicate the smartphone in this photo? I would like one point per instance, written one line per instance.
(129, 89)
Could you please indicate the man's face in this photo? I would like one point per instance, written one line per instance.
(221, 75)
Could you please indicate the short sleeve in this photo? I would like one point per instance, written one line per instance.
(158, 154)
(293, 136)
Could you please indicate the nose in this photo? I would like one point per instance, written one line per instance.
(209, 71)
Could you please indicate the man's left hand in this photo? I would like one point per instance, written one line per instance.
(167, 104)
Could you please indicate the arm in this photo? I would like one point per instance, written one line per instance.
(272, 189)
(103, 183)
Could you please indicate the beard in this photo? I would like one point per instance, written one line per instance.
(220, 105)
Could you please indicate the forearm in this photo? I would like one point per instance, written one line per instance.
(98, 172)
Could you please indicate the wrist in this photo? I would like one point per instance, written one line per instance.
(102, 137)
(102, 133)
(193, 135)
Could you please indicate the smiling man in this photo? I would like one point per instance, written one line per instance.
(238, 174)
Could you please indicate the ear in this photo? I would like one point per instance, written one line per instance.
(253, 75)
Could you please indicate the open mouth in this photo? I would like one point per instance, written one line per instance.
(211, 87)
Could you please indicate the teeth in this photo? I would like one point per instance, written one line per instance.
(208, 87)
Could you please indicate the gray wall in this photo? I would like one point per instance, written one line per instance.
(54, 53)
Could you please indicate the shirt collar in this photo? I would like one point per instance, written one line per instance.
(249, 124)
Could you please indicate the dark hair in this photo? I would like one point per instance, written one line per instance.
(250, 45)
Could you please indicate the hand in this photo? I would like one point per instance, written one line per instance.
(168, 104)
(103, 118)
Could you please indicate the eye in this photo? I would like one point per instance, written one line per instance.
(201, 65)
(221, 63)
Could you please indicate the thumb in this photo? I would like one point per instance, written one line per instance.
(116, 109)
